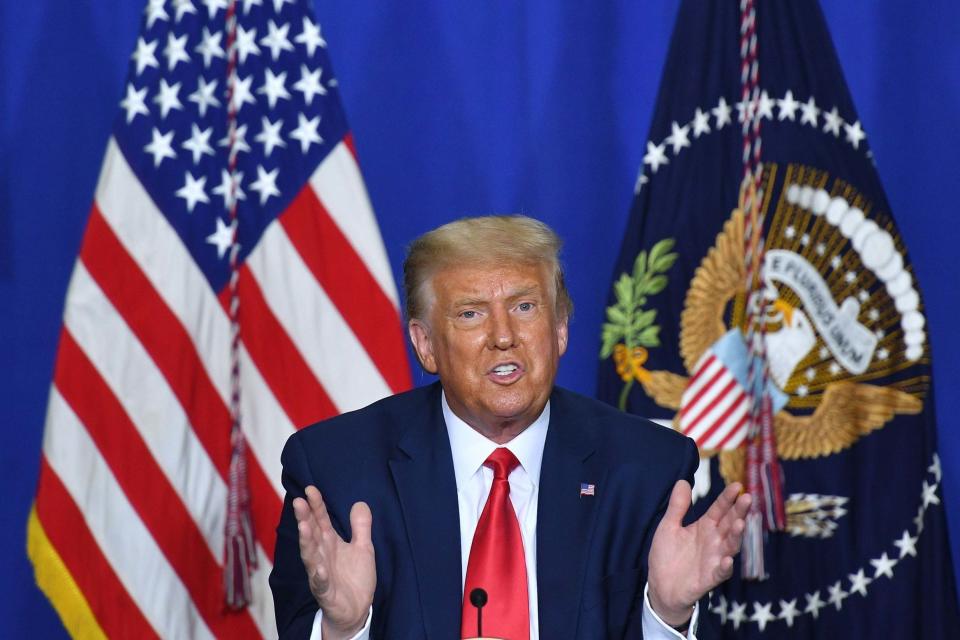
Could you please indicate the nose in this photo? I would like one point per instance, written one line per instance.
(502, 334)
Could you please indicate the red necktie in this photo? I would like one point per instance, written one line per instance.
(497, 563)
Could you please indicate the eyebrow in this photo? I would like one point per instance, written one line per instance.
(518, 293)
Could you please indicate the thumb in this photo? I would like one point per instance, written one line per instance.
(680, 499)
(361, 523)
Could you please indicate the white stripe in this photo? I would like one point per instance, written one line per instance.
(709, 418)
(146, 397)
(323, 338)
(735, 441)
(261, 609)
(122, 537)
(723, 430)
(338, 184)
(695, 411)
(264, 423)
(700, 379)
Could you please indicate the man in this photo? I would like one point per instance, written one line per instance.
(567, 513)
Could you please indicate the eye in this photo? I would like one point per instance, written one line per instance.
(469, 314)
(525, 306)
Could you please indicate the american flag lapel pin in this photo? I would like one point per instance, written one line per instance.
(587, 489)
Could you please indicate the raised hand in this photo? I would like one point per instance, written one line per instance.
(687, 562)
(342, 574)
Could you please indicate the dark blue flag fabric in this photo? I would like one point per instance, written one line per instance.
(865, 552)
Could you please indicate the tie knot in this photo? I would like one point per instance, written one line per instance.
(502, 461)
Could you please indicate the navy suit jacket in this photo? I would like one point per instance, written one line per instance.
(395, 455)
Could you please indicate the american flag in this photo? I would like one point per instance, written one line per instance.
(587, 489)
(224, 104)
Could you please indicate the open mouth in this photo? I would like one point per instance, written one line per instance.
(506, 372)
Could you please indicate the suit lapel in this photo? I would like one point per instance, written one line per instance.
(424, 477)
(564, 519)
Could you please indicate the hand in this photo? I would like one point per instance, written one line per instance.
(687, 562)
(342, 574)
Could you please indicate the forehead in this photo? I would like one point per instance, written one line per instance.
(482, 282)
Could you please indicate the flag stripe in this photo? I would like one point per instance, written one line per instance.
(116, 528)
(722, 427)
(703, 376)
(141, 479)
(717, 402)
(736, 435)
(360, 300)
(63, 523)
(313, 323)
(339, 186)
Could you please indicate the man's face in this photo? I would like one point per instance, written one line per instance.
(493, 336)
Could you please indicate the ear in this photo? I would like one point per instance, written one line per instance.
(420, 337)
(562, 333)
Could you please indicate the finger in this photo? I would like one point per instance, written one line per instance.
(723, 570)
(361, 523)
(319, 509)
(680, 499)
(724, 502)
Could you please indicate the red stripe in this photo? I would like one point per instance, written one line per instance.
(720, 397)
(353, 290)
(723, 418)
(700, 372)
(284, 370)
(733, 432)
(114, 609)
(147, 488)
(172, 350)
(348, 141)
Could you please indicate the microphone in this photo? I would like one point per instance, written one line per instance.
(478, 598)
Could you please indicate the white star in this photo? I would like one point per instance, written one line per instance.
(850, 277)
(832, 122)
(918, 521)
(176, 50)
(882, 354)
(810, 112)
(738, 614)
(721, 609)
(862, 295)
(821, 249)
(722, 113)
(679, 137)
(642, 179)
(805, 239)
(834, 368)
(811, 373)
(655, 156)
(276, 40)
(265, 184)
(883, 566)
(766, 106)
(854, 134)
(788, 611)
(155, 11)
(246, 43)
(306, 132)
(167, 98)
(209, 47)
(835, 262)
(934, 468)
(873, 314)
(930, 494)
(837, 595)
(788, 107)
(701, 123)
(199, 142)
(879, 333)
(824, 353)
(251, 3)
(745, 110)
(309, 84)
(274, 87)
(160, 147)
(222, 238)
(278, 5)
(192, 191)
(135, 103)
(239, 141)
(241, 92)
(229, 188)
(213, 6)
(269, 136)
(907, 545)
(814, 604)
(802, 391)
(145, 55)
(204, 95)
(790, 232)
(761, 614)
(183, 7)
(310, 36)
(859, 583)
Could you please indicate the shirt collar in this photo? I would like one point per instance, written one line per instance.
(470, 448)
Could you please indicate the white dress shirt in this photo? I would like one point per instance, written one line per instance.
(470, 450)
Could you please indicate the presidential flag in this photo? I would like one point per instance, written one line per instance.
(845, 354)
(231, 287)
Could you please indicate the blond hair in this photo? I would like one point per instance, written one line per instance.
(484, 240)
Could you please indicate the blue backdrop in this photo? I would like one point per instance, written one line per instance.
(457, 108)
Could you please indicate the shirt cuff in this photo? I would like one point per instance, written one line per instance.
(656, 629)
(363, 634)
